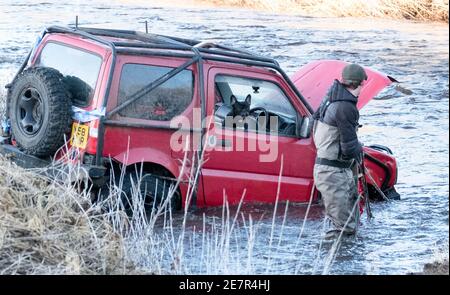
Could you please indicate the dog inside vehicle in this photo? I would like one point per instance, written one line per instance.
(240, 108)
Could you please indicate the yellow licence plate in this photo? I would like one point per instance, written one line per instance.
(79, 135)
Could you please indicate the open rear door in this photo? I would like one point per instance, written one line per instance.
(314, 79)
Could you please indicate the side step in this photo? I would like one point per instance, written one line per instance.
(22, 159)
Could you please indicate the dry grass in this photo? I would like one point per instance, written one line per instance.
(49, 228)
(422, 10)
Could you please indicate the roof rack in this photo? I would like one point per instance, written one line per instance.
(144, 41)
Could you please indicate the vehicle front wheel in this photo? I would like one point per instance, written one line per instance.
(391, 194)
(149, 191)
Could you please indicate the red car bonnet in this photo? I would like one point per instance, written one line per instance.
(315, 78)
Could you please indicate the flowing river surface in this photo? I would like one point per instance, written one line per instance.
(402, 236)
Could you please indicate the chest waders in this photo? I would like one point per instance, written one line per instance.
(335, 179)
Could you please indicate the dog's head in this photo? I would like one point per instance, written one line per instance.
(241, 108)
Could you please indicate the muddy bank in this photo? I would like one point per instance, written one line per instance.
(48, 228)
(436, 268)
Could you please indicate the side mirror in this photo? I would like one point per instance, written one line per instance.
(304, 126)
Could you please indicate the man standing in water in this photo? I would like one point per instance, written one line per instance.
(338, 151)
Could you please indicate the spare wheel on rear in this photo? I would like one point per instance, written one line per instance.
(39, 108)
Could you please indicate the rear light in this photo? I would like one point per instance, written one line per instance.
(91, 147)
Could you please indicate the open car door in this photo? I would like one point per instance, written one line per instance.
(315, 78)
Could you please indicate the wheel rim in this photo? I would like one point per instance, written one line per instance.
(30, 111)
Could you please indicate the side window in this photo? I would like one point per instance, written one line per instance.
(79, 68)
(162, 103)
(263, 97)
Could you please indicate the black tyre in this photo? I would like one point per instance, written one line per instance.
(390, 194)
(155, 190)
(39, 108)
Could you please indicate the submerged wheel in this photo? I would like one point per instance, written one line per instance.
(153, 189)
(39, 108)
(392, 194)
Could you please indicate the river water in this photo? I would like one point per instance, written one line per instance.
(402, 236)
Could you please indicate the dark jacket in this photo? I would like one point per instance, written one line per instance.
(337, 122)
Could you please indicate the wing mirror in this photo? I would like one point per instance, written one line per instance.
(304, 126)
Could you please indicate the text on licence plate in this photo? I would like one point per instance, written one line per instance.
(79, 135)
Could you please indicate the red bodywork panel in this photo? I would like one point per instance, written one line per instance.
(383, 177)
(229, 173)
(225, 172)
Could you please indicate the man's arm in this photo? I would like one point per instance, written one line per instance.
(347, 121)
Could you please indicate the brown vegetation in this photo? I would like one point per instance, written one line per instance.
(423, 10)
(49, 228)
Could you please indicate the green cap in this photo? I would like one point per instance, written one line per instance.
(353, 73)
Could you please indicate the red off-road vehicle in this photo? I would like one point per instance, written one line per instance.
(127, 99)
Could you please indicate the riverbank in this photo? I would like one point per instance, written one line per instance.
(436, 268)
(439, 262)
(418, 10)
(49, 228)
(421, 10)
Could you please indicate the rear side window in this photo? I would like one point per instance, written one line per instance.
(79, 68)
(162, 103)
